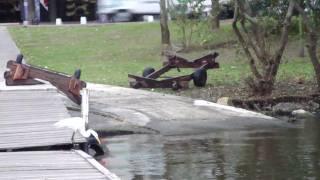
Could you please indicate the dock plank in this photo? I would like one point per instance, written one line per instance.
(27, 119)
(65, 165)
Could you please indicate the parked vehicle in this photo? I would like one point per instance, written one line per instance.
(135, 10)
(127, 10)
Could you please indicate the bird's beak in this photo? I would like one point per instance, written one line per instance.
(99, 141)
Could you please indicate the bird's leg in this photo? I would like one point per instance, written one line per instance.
(98, 149)
(72, 138)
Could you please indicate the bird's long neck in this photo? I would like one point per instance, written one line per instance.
(85, 106)
(84, 133)
(92, 133)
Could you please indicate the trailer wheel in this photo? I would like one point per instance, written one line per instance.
(175, 86)
(147, 71)
(77, 74)
(199, 77)
(19, 58)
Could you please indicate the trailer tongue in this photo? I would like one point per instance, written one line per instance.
(24, 74)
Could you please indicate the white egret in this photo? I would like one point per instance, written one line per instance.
(79, 124)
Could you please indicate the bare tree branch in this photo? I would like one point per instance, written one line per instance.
(243, 42)
(304, 17)
(285, 31)
(251, 43)
(263, 63)
(258, 46)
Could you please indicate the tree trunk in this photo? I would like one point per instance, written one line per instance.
(165, 33)
(31, 10)
(215, 11)
(36, 19)
(301, 40)
(312, 50)
(184, 38)
(312, 40)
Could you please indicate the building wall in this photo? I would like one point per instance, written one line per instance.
(68, 10)
(9, 11)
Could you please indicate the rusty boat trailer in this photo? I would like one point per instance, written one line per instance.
(24, 74)
(199, 76)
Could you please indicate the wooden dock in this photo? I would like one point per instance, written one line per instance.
(49, 165)
(27, 119)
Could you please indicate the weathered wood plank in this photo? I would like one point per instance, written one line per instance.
(27, 119)
(98, 166)
(66, 165)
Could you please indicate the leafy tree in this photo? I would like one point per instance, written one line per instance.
(310, 13)
(215, 11)
(187, 15)
(251, 26)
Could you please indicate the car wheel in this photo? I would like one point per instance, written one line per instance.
(122, 16)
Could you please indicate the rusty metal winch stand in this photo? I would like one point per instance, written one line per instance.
(199, 76)
(24, 74)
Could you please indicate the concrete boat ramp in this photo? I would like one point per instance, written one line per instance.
(140, 111)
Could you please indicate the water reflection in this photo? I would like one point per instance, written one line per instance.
(278, 154)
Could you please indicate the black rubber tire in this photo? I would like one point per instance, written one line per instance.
(200, 77)
(19, 58)
(77, 74)
(175, 86)
(147, 71)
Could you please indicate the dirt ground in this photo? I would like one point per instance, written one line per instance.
(212, 93)
(291, 85)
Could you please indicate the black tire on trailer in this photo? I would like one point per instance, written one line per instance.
(148, 71)
(77, 74)
(19, 58)
(175, 86)
(200, 77)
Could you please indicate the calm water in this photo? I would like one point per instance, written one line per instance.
(255, 154)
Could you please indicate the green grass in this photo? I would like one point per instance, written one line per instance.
(107, 53)
(299, 67)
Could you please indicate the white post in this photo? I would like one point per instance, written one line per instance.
(85, 105)
(150, 18)
(83, 20)
(58, 21)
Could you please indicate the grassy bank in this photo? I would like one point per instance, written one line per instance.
(107, 53)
